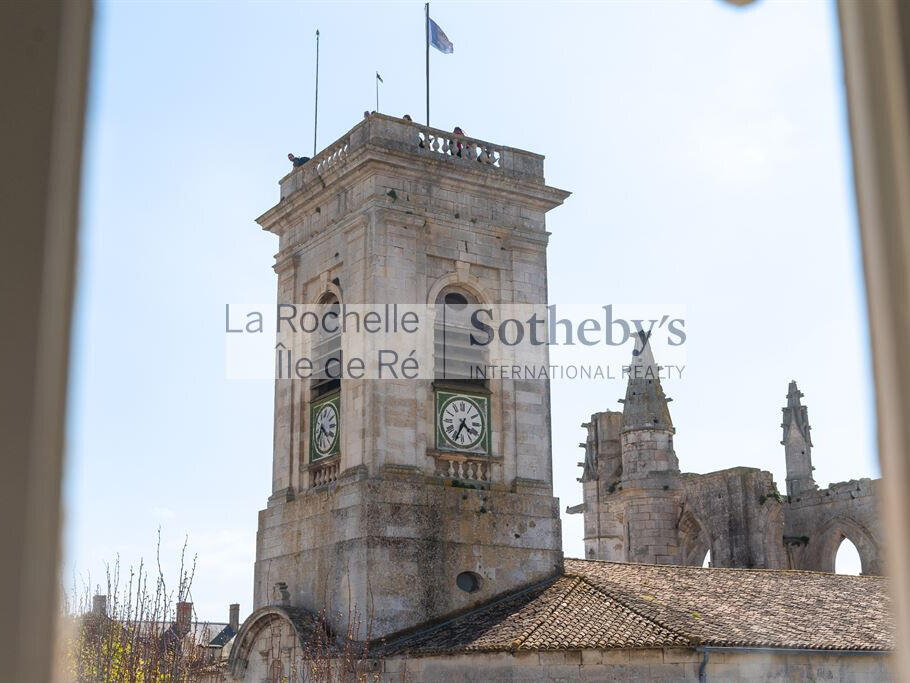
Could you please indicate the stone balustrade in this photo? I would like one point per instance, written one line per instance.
(331, 157)
(459, 146)
(463, 467)
(323, 472)
(390, 134)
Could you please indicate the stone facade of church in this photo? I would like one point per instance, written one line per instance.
(639, 507)
(383, 555)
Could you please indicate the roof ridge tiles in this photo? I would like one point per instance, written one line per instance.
(517, 643)
(399, 639)
(645, 617)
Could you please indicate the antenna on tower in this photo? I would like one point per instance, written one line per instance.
(316, 105)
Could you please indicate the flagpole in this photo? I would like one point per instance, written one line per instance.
(377, 92)
(316, 105)
(427, 7)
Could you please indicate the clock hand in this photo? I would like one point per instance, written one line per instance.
(462, 426)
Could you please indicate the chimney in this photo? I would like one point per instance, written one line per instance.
(184, 615)
(99, 605)
(234, 618)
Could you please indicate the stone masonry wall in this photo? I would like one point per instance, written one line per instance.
(738, 514)
(654, 666)
(391, 547)
(651, 665)
(818, 521)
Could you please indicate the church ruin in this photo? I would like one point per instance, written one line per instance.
(639, 507)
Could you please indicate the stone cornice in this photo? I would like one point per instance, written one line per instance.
(391, 145)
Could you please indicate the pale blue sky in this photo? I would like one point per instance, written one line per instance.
(706, 149)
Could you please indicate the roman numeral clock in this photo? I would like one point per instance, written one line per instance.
(462, 422)
(325, 425)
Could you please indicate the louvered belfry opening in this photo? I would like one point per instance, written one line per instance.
(327, 349)
(456, 360)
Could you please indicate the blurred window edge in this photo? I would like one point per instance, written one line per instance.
(37, 266)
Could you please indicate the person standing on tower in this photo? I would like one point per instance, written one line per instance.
(460, 133)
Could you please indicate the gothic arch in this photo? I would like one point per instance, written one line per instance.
(823, 547)
(694, 540)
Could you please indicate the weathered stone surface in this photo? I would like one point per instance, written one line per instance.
(391, 548)
(817, 521)
(657, 665)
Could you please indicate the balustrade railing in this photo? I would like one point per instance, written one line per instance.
(332, 157)
(329, 158)
(322, 473)
(379, 131)
(463, 467)
(454, 145)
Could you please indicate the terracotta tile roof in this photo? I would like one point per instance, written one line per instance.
(565, 613)
(601, 605)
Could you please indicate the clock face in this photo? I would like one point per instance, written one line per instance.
(462, 422)
(324, 429)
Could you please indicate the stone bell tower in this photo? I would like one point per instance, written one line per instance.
(378, 513)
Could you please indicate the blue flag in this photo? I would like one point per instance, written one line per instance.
(439, 39)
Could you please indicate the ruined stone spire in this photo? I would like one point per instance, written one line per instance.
(796, 415)
(645, 406)
(797, 443)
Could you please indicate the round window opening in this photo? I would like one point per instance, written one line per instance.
(469, 582)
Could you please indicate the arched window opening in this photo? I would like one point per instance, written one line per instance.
(707, 561)
(326, 354)
(695, 542)
(456, 360)
(847, 560)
